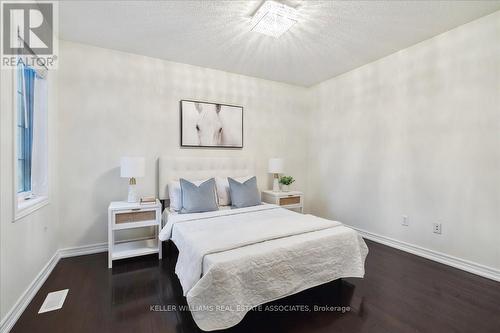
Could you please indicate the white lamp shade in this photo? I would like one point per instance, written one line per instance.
(132, 167)
(275, 165)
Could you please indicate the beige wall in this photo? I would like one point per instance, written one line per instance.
(416, 133)
(28, 243)
(114, 104)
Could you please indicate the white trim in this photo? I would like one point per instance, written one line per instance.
(15, 312)
(13, 315)
(465, 265)
(29, 206)
(24, 300)
(93, 248)
(82, 250)
(25, 209)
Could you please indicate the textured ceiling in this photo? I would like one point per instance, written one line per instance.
(331, 37)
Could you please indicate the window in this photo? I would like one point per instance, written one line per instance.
(31, 177)
(25, 83)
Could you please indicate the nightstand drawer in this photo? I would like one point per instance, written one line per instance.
(289, 201)
(135, 216)
(293, 200)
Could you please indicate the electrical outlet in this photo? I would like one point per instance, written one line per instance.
(436, 228)
(405, 221)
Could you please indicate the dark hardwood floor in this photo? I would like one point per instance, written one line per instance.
(400, 293)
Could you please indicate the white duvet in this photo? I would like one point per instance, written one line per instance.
(232, 260)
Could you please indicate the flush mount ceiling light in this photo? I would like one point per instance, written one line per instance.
(273, 18)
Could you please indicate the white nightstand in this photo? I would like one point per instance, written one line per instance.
(125, 215)
(289, 200)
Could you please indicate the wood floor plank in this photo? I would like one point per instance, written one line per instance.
(400, 293)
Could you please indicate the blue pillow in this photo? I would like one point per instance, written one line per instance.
(198, 198)
(244, 194)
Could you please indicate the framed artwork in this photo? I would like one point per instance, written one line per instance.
(211, 125)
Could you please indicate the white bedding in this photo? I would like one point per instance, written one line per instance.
(237, 259)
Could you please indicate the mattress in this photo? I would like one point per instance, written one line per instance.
(238, 259)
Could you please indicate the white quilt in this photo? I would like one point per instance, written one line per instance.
(230, 261)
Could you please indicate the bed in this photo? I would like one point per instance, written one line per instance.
(232, 260)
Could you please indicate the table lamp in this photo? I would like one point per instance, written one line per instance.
(275, 167)
(132, 168)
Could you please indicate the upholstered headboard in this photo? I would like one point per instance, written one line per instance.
(173, 168)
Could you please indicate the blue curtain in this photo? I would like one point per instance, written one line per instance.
(27, 148)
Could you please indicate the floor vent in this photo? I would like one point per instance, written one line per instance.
(54, 301)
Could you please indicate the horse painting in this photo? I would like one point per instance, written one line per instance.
(211, 125)
(208, 125)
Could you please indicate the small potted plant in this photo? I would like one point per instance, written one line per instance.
(285, 182)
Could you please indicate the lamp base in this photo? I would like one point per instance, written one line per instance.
(276, 185)
(132, 193)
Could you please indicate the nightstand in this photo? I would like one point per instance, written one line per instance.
(288, 200)
(125, 215)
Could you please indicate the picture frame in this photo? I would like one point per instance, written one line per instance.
(210, 125)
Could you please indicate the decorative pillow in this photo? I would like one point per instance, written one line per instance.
(174, 193)
(223, 193)
(244, 194)
(198, 198)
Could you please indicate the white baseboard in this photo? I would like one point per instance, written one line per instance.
(15, 312)
(24, 300)
(83, 250)
(13, 315)
(91, 249)
(465, 265)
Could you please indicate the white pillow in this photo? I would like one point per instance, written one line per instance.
(174, 193)
(222, 186)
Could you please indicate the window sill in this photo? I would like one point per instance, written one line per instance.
(26, 207)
